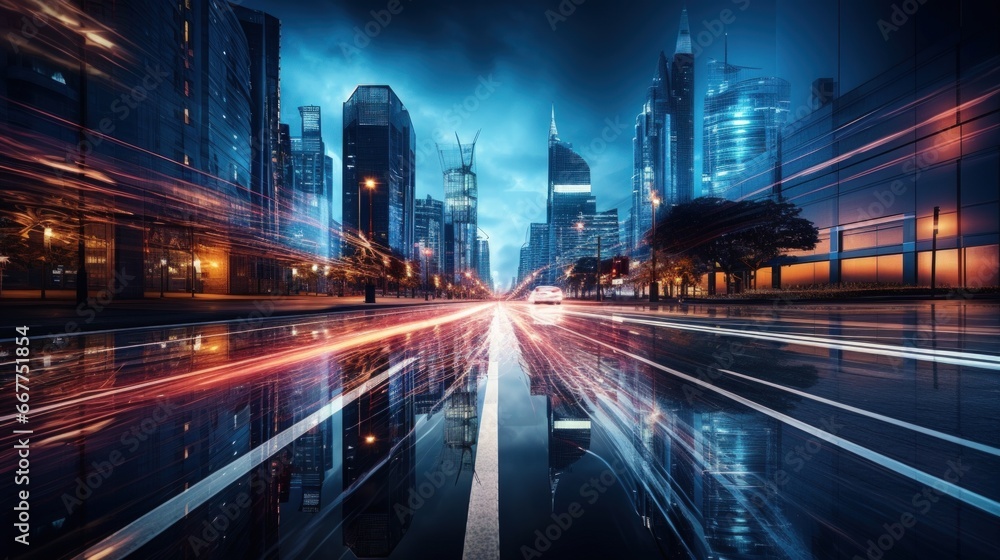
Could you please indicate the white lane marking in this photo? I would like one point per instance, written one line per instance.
(482, 526)
(985, 361)
(875, 415)
(972, 498)
(136, 534)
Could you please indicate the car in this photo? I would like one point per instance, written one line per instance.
(546, 294)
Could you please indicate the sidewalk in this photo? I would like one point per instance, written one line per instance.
(59, 313)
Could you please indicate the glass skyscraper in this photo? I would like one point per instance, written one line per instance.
(569, 201)
(428, 233)
(461, 208)
(484, 264)
(654, 146)
(663, 146)
(177, 165)
(682, 121)
(309, 223)
(744, 115)
(379, 144)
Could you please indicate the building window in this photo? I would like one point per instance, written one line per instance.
(187, 88)
(187, 116)
(187, 160)
(187, 31)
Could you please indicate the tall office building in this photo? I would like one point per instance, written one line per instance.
(428, 233)
(744, 115)
(379, 143)
(252, 271)
(175, 165)
(569, 201)
(461, 206)
(483, 267)
(309, 223)
(263, 33)
(682, 123)
(663, 147)
(653, 155)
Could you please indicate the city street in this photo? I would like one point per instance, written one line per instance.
(503, 429)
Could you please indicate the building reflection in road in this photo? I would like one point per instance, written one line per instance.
(139, 417)
(697, 467)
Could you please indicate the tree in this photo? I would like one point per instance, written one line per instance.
(779, 229)
(734, 235)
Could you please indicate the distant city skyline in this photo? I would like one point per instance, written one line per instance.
(499, 67)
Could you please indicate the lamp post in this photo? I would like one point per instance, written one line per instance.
(163, 265)
(937, 213)
(315, 271)
(654, 286)
(597, 269)
(370, 185)
(427, 286)
(295, 281)
(47, 243)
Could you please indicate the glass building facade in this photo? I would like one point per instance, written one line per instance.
(308, 222)
(461, 210)
(379, 143)
(870, 166)
(663, 146)
(156, 185)
(569, 200)
(682, 112)
(483, 269)
(653, 155)
(428, 231)
(744, 116)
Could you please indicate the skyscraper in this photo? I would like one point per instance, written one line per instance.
(744, 115)
(663, 147)
(309, 223)
(461, 207)
(186, 148)
(653, 148)
(483, 268)
(251, 271)
(263, 32)
(538, 242)
(569, 200)
(379, 143)
(428, 232)
(682, 109)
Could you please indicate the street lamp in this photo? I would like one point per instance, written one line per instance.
(295, 273)
(370, 185)
(47, 242)
(597, 270)
(163, 265)
(315, 269)
(427, 285)
(654, 286)
(934, 236)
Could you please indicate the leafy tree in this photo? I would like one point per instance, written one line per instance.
(779, 229)
(734, 235)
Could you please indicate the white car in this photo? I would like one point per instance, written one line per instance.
(546, 294)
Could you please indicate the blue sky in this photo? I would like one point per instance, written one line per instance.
(498, 67)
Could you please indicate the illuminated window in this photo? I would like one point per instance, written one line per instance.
(187, 160)
(187, 31)
(187, 116)
(187, 88)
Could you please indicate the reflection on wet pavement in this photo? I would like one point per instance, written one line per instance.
(676, 433)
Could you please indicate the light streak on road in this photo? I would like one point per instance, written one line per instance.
(134, 535)
(974, 499)
(969, 359)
